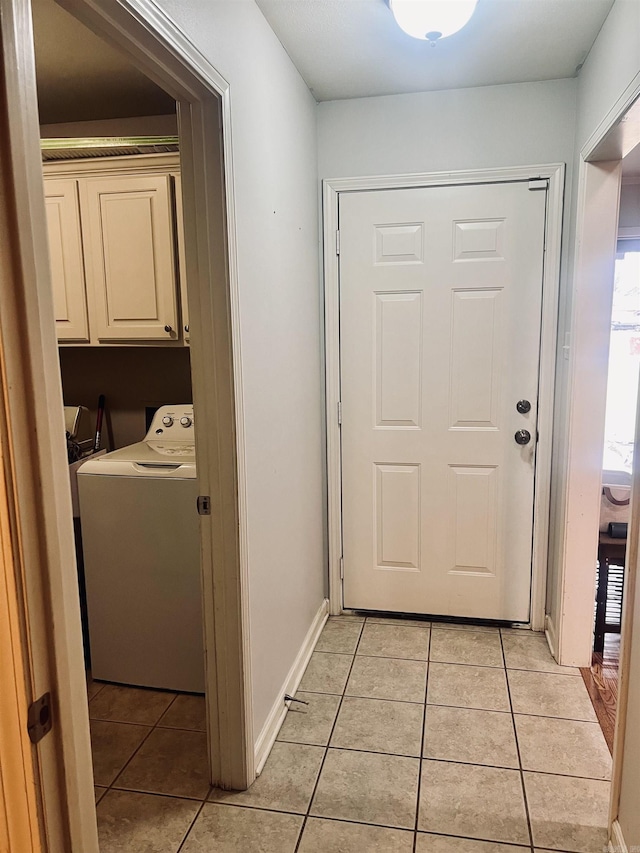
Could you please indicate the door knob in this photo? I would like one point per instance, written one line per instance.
(522, 436)
(523, 406)
(168, 329)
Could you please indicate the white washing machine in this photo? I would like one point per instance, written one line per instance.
(141, 548)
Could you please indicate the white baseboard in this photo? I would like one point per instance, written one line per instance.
(550, 634)
(617, 843)
(270, 730)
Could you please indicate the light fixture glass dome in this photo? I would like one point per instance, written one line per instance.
(431, 20)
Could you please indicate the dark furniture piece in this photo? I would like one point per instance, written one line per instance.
(611, 553)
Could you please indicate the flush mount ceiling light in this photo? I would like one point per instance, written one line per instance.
(431, 20)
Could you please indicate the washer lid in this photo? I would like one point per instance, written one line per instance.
(146, 459)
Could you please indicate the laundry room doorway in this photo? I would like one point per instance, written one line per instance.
(205, 193)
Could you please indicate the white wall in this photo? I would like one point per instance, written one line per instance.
(629, 204)
(273, 127)
(611, 67)
(486, 127)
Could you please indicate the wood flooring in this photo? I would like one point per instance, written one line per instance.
(602, 683)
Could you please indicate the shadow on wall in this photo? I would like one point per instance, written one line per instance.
(131, 378)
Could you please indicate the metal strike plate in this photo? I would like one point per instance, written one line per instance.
(204, 505)
(39, 718)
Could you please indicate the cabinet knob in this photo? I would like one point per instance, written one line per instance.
(186, 328)
(168, 329)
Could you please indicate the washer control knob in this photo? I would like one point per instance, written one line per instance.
(167, 421)
(186, 422)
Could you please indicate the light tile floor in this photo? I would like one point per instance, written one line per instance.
(415, 739)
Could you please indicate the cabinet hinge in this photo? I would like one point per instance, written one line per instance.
(539, 184)
(39, 718)
(337, 242)
(341, 568)
(339, 412)
(204, 505)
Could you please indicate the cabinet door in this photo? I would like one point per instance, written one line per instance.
(182, 263)
(65, 258)
(129, 252)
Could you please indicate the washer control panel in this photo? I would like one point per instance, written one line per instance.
(172, 423)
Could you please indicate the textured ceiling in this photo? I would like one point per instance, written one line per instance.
(353, 48)
(81, 78)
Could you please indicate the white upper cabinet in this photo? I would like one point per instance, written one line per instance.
(66, 261)
(130, 269)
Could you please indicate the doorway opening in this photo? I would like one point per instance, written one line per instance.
(112, 178)
(207, 196)
(618, 452)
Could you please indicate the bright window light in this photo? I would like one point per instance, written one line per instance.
(432, 19)
(624, 360)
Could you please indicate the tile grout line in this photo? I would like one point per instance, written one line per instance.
(245, 807)
(192, 824)
(127, 762)
(421, 747)
(100, 689)
(184, 797)
(167, 728)
(326, 749)
(444, 705)
(506, 844)
(454, 663)
(431, 758)
(515, 734)
(136, 750)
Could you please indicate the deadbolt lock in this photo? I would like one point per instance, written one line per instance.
(523, 406)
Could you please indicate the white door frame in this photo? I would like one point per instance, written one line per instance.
(579, 509)
(27, 327)
(332, 188)
(570, 629)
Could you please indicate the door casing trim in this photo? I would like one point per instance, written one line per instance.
(332, 187)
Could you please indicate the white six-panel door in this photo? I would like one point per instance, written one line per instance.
(440, 315)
